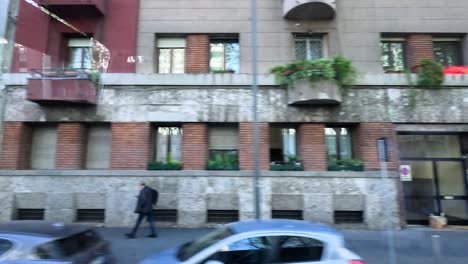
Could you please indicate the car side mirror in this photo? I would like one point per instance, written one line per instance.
(214, 262)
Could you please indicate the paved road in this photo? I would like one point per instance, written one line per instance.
(413, 245)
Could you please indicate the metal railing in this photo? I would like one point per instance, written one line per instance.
(61, 73)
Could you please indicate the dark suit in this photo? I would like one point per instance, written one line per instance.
(144, 208)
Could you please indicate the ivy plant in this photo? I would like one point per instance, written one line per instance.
(337, 69)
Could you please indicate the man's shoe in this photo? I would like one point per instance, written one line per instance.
(153, 236)
(130, 236)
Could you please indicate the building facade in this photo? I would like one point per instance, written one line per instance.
(94, 105)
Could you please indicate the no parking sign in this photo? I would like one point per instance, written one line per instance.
(405, 173)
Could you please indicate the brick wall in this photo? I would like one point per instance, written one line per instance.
(246, 151)
(71, 146)
(195, 146)
(16, 150)
(366, 146)
(197, 56)
(312, 147)
(419, 47)
(131, 145)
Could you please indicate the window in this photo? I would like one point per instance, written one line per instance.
(270, 249)
(448, 52)
(44, 141)
(223, 146)
(309, 48)
(282, 144)
(80, 53)
(224, 55)
(393, 55)
(5, 245)
(171, 52)
(338, 140)
(98, 149)
(68, 246)
(189, 250)
(168, 144)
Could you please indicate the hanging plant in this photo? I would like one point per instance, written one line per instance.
(431, 74)
(337, 69)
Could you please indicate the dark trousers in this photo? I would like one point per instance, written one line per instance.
(149, 218)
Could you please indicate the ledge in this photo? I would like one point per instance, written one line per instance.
(193, 173)
(20, 79)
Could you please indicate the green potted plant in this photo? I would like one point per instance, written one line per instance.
(292, 164)
(223, 161)
(170, 164)
(430, 74)
(315, 81)
(346, 165)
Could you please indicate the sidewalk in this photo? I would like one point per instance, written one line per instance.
(413, 245)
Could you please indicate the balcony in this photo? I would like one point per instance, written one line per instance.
(75, 8)
(53, 86)
(309, 9)
(321, 93)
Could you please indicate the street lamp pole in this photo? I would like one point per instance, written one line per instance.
(256, 178)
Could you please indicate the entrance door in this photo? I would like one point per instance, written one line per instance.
(437, 186)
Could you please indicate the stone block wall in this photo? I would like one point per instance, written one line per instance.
(192, 193)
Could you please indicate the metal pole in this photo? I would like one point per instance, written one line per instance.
(256, 178)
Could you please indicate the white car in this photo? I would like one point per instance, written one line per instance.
(263, 242)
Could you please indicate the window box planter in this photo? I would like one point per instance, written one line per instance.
(223, 71)
(324, 92)
(287, 167)
(164, 166)
(222, 167)
(346, 167)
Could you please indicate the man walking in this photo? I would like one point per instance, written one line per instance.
(144, 208)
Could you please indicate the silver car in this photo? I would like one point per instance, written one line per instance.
(262, 242)
(24, 242)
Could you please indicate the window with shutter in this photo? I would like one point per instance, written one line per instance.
(44, 141)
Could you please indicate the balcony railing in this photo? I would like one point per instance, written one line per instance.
(309, 9)
(61, 86)
(75, 7)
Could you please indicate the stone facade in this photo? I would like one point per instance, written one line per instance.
(192, 193)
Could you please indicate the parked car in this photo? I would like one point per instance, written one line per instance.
(24, 242)
(261, 242)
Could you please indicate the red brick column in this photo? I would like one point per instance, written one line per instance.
(419, 47)
(366, 146)
(246, 151)
(71, 146)
(131, 145)
(312, 147)
(16, 147)
(194, 146)
(197, 57)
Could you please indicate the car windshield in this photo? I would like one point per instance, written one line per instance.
(68, 246)
(190, 249)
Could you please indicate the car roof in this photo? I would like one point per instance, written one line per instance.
(41, 229)
(281, 225)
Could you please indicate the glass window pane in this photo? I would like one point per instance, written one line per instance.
(98, 150)
(345, 144)
(162, 139)
(87, 60)
(393, 57)
(301, 50)
(217, 56)
(232, 57)
(289, 143)
(330, 140)
(448, 53)
(294, 249)
(178, 61)
(315, 49)
(5, 245)
(164, 61)
(176, 144)
(451, 178)
(76, 58)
